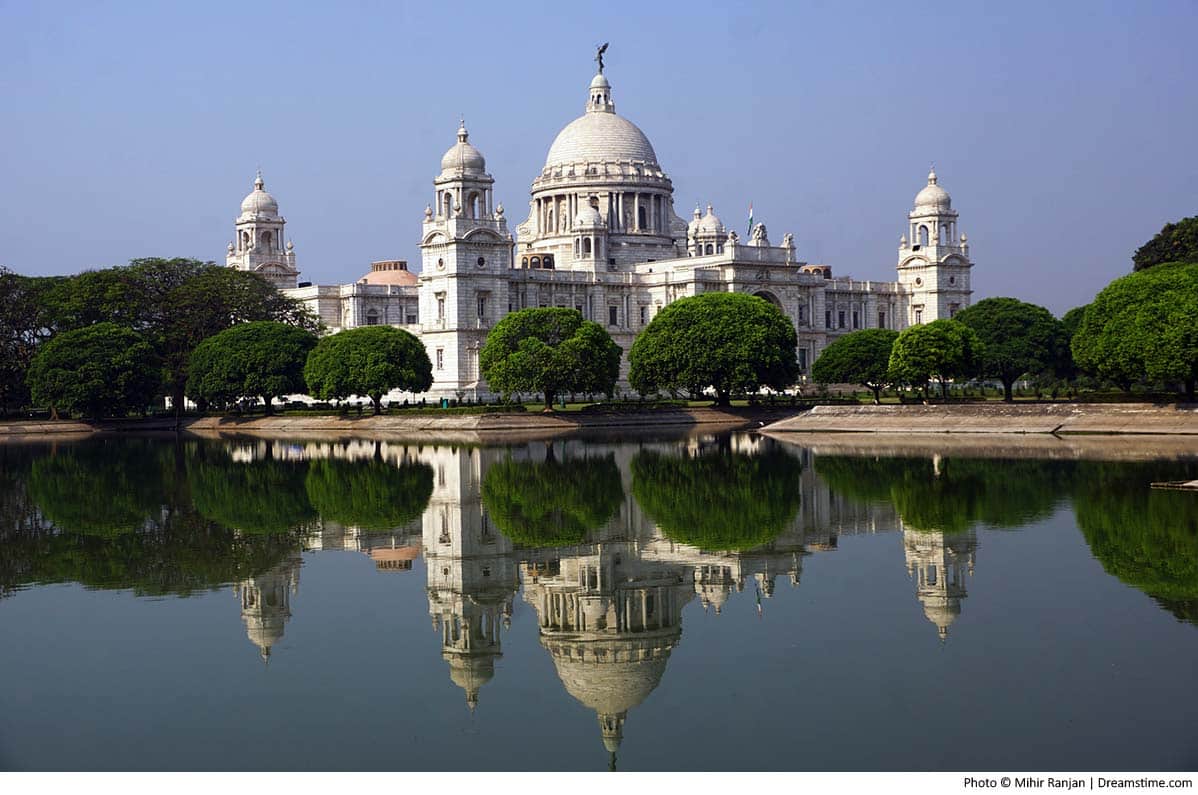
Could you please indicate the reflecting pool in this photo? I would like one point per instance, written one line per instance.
(726, 602)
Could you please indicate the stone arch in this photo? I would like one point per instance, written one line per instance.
(767, 295)
(923, 235)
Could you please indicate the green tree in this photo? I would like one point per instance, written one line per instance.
(862, 357)
(1017, 338)
(552, 503)
(729, 342)
(551, 351)
(1144, 325)
(370, 361)
(175, 303)
(719, 499)
(374, 495)
(1176, 242)
(22, 329)
(99, 371)
(941, 350)
(263, 359)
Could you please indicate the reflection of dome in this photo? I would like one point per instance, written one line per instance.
(610, 688)
(941, 611)
(264, 632)
(599, 135)
(259, 202)
(463, 156)
(390, 272)
(933, 197)
(470, 673)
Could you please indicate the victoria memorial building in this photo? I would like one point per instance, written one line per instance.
(602, 236)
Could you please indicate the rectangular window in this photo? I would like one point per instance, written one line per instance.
(881, 320)
(411, 320)
(828, 318)
(643, 313)
(803, 359)
(440, 358)
(578, 308)
(918, 316)
(482, 307)
(856, 320)
(840, 319)
(802, 314)
(441, 308)
(613, 314)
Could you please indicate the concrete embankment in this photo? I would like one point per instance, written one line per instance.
(987, 418)
(450, 428)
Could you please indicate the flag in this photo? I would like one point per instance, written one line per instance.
(750, 232)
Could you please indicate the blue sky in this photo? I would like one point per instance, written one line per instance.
(1063, 131)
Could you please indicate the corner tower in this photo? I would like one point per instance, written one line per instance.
(934, 266)
(466, 251)
(258, 242)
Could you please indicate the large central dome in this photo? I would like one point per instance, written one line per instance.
(599, 135)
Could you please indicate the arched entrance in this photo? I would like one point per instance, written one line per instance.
(767, 295)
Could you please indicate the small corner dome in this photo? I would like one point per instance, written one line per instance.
(463, 156)
(588, 216)
(711, 222)
(259, 202)
(933, 197)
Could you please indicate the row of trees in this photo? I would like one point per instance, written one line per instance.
(1141, 329)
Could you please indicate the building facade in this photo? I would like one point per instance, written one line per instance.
(602, 236)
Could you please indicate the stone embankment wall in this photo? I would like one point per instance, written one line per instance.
(452, 427)
(1058, 418)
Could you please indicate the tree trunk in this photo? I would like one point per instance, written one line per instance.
(877, 390)
(943, 389)
(1007, 394)
(378, 404)
(723, 398)
(548, 400)
(1190, 385)
(266, 400)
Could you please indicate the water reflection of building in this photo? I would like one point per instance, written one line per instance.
(393, 550)
(609, 619)
(472, 576)
(938, 562)
(266, 603)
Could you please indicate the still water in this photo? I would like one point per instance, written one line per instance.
(705, 603)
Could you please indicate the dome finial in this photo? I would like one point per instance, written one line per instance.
(463, 136)
(258, 183)
(932, 174)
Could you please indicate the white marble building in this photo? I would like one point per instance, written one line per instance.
(602, 236)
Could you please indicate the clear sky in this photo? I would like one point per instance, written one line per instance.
(1064, 131)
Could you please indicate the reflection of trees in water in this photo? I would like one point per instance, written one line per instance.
(104, 488)
(719, 499)
(952, 495)
(118, 517)
(265, 496)
(372, 495)
(1148, 538)
(551, 502)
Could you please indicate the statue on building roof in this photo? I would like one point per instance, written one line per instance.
(599, 56)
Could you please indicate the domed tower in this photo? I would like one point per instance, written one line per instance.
(705, 234)
(266, 603)
(604, 161)
(934, 263)
(465, 253)
(938, 562)
(258, 245)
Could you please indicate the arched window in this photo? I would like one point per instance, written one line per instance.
(536, 262)
(372, 317)
(586, 245)
(266, 240)
(446, 203)
(577, 247)
(709, 250)
(245, 240)
(549, 261)
(942, 234)
(473, 205)
(524, 262)
(923, 236)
